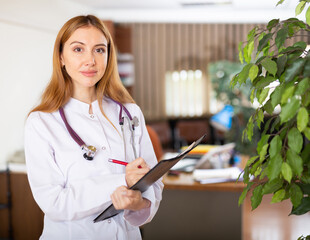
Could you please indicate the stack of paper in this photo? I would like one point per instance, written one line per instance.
(216, 175)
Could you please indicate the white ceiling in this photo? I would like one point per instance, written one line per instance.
(191, 10)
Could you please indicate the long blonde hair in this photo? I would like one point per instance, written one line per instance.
(60, 88)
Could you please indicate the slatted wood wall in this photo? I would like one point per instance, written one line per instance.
(159, 47)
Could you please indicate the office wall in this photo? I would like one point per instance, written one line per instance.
(162, 47)
(27, 33)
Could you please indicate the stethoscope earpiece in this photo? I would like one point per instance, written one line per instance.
(135, 121)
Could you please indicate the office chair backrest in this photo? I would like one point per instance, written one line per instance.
(156, 142)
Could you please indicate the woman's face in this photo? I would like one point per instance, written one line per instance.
(85, 56)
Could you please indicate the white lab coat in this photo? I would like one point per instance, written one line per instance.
(72, 191)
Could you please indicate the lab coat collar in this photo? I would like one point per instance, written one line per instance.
(81, 107)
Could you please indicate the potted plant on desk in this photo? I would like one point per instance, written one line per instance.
(282, 74)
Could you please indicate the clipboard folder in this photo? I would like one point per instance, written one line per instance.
(148, 179)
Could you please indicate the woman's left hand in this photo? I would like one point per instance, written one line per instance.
(124, 198)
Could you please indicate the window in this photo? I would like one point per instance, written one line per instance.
(185, 93)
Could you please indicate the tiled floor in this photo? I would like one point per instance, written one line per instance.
(271, 221)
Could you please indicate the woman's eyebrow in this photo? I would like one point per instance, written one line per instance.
(77, 42)
(99, 44)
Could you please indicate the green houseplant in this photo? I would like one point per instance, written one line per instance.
(279, 75)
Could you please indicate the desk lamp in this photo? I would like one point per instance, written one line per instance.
(223, 120)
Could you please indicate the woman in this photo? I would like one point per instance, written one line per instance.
(72, 186)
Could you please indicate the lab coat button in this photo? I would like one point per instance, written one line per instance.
(103, 148)
(92, 116)
(109, 221)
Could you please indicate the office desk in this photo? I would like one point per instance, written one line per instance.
(190, 210)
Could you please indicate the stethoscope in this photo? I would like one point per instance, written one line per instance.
(89, 151)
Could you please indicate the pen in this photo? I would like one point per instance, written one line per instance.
(120, 162)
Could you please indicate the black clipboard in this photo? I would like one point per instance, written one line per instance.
(148, 179)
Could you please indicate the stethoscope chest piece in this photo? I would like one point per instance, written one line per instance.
(89, 152)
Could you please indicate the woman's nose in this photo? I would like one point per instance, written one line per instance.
(90, 59)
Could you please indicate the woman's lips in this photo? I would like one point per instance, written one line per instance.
(89, 73)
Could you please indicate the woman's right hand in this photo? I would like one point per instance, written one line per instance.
(135, 170)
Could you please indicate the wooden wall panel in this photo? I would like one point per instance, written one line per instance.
(160, 47)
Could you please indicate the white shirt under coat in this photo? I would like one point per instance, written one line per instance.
(72, 191)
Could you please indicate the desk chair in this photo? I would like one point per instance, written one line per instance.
(8, 203)
(156, 142)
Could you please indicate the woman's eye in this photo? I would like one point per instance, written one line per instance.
(78, 49)
(100, 50)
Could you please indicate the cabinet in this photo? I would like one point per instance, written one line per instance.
(27, 218)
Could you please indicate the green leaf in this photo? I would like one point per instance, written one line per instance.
(295, 140)
(263, 152)
(263, 95)
(253, 72)
(291, 50)
(240, 52)
(268, 107)
(295, 162)
(307, 133)
(260, 115)
(295, 195)
(260, 59)
(258, 171)
(286, 172)
(302, 86)
(250, 127)
(305, 100)
(302, 119)
(280, 2)
(272, 24)
(251, 160)
(300, 44)
(264, 41)
(306, 179)
(266, 127)
(270, 66)
(274, 167)
(300, 7)
(244, 193)
(281, 37)
(276, 96)
(252, 97)
(272, 186)
(262, 142)
(281, 61)
(275, 146)
(246, 177)
(278, 196)
(275, 124)
(303, 208)
(306, 72)
(308, 16)
(288, 93)
(262, 82)
(305, 154)
(247, 51)
(257, 197)
(294, 69)
(244, 74)
(289, 110)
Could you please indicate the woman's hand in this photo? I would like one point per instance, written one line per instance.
(135, 170)
(124, 198)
